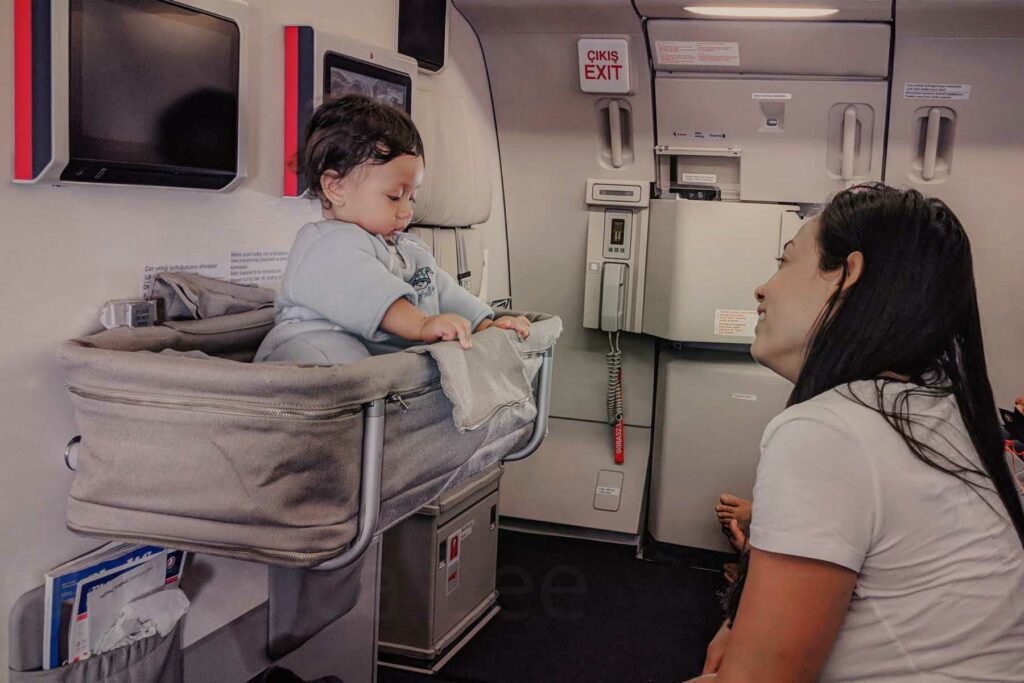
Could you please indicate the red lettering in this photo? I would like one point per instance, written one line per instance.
(592, 55)
(617, 71)
(614, 55)
(590, 72)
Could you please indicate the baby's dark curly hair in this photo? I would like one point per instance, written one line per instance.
(350, 130)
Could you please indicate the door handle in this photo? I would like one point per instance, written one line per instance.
(849, 141)
(931, 144)
(615, 132)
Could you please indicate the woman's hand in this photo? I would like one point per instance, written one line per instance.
(446, 327)
(716, 650)
(508, 322)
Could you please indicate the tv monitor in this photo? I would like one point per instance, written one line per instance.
(422, 31)
(344, 75)
(154, 94)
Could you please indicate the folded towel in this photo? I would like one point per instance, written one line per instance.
(187, 296)
(481, 380)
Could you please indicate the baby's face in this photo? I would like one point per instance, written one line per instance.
(379, 198)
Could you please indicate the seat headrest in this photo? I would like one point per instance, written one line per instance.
(456, 187)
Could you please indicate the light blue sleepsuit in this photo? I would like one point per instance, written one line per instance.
(340, 281)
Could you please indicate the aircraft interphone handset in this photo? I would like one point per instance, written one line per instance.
(614, 399)
(613, 294)
(614, 280)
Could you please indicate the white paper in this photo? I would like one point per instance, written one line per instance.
(153, 615)
(106, 601)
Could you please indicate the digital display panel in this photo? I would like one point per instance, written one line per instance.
(154, 94)
(421, 31)
(618, 237)
(347, 76)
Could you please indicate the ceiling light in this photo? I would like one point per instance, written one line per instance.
(762, 12)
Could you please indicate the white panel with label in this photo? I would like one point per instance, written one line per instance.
(704, 261)
(706, 442)
(955, 133)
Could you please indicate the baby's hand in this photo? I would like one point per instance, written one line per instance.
(517, 322)
(446, 327)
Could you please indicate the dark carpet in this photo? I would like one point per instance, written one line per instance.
(575, 610)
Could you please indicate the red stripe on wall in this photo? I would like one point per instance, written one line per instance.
(291, 109)
(23, 89)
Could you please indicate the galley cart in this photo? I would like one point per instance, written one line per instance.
(438, 572)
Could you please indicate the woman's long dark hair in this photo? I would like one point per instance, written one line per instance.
(913, 312)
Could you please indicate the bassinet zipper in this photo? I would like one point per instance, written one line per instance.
(400, 396)
(211, 405)
(293, 557)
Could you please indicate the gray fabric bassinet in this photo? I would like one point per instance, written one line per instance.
(187, 444)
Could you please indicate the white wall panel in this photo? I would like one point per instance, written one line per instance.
(987, 158)
(550, 134)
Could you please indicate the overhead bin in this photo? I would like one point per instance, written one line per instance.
(770, 140)
(826, 49)
(769, 111)
(787, 10)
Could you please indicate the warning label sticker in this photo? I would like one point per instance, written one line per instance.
(452, 564)
(936, 91)
(697, 53)
(705, 178)
(729, 323)
(210, 268)
(744, 397)
(608, 490)
(772, 96)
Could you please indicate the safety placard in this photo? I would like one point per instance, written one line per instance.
(936, 91)
(704, 178)
(604, 65)
(697, 53)
(744, 397)
(731, 323)
(213, 267)
(453, 555)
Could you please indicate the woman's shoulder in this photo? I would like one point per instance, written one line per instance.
(845, 409)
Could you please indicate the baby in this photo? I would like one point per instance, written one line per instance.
(355, 283)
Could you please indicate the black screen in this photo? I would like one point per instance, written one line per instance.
(346, 76)
(154, 94)
(618, 231)
(421, 31)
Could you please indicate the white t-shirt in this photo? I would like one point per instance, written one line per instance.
(940, 586)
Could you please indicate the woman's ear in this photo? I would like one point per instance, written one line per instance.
(854, 268)
(333, 186)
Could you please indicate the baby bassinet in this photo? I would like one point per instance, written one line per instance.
(186, 443)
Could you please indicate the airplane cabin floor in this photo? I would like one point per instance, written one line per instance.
(577, 610)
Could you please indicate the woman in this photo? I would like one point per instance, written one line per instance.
(886, 534)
